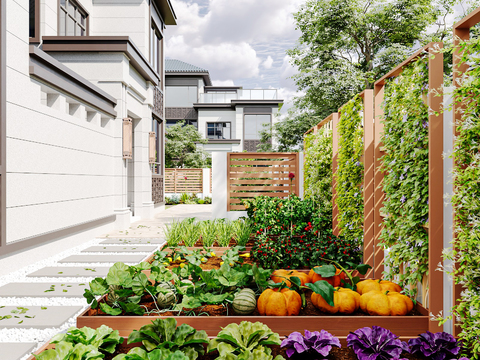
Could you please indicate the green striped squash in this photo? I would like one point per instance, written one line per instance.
(167, 299)
(244, 302)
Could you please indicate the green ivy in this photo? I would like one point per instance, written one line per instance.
(318, 168)
(405, 167)
(466, 200)
(349, 175)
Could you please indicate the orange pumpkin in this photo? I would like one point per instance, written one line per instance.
(388, 303)
(377, 285)
(279, 275)
(346, 301)
(279, 303)
(335, 280)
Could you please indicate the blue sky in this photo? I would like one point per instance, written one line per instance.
(241, 42)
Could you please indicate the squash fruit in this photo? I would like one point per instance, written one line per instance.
(335, 280)
(285, 302)
(279, 275)
(244, 302)
(346, 301)
(388, 303)
(377, 285)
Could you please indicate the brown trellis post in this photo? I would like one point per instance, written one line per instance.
(461, 32)
(435, 175)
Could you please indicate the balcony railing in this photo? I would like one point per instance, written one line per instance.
(240, 94)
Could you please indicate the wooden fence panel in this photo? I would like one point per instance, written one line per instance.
(260, 174)
(179, 181)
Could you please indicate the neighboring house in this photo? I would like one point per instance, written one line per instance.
(82, 117)
(230, 117)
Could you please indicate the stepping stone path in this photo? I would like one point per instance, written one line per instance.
(71, 271)
(37, 318)
(137, 241)
(121, 249)
(14, 351)
(43, 289)
(103, 259)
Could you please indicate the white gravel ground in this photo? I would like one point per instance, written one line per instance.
(40, 336)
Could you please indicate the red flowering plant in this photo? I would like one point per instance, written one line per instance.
(292, 215)
(303, 251)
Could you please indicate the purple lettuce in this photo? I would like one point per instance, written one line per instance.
(313, 342)
(375, 343)
(438, 346)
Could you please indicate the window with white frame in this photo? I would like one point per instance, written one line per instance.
(254, 125)
(219, 130)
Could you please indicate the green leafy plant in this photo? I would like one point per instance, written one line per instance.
(245, 341)
(225, 233)
(349, 175)
(243, 229)
(140, 354)
(164, 334)
(173, 234)
(208, 232)
(318, 169)
(105, 339)
(465, 200)
(405, 168)
(65, 350)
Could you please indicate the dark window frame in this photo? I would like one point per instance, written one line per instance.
(156, 37)
(78, 7)
(218, 122)
(36, 22)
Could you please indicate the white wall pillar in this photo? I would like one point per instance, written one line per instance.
(301, 158)
(219, 185)
(206, 182)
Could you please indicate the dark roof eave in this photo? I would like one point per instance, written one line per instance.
(205, 75)
(167, 12)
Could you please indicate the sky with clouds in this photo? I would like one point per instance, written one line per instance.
(240, 42)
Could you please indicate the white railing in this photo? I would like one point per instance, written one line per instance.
(240, 94)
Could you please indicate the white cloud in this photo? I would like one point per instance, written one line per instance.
(224, 61)
(223, 83)
(240, 42)
(267, 64)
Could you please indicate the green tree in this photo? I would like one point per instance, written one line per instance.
(181, 147)
(345, 45)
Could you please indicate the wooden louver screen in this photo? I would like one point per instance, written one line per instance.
(127, 138)
(152, 147)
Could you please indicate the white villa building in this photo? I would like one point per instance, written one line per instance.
(81, 115)
(230, 117)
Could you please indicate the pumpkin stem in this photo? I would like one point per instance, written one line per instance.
(304, 299)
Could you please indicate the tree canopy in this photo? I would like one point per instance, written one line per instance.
(345, 45)
(181, 148)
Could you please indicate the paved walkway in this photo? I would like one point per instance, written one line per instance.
(45, 297)
(154, 228)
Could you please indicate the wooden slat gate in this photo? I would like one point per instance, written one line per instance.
(179, 181)
(256, 174)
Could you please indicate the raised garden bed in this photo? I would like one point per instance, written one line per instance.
(343, 353)
(405, 327)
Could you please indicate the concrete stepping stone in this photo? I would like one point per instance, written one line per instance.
(48, 289)
(15, 351)
(134, 241)
(121, 249)
(102, 259)
(71, 271)
(36, 316)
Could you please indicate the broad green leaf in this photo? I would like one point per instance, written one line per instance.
(325, 271)
(324, 289)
